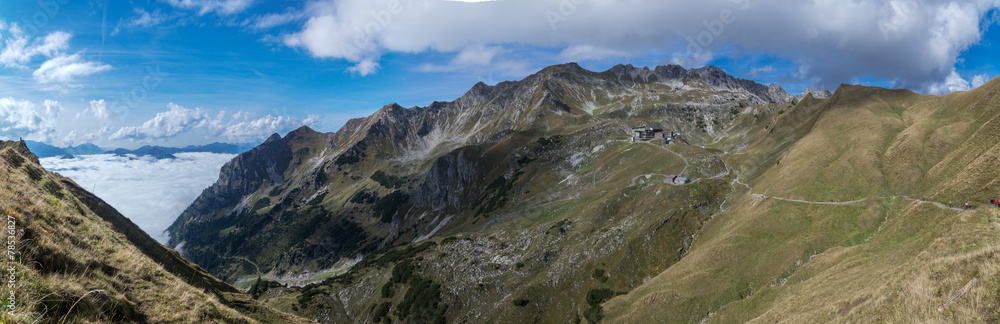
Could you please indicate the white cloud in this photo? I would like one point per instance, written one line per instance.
(240, 127)
(19, 49)
(252, 129)
(365, 67)
(142, 19)
(166, 124)
(221, 7)
(65, 69)
(60, 69)
(979, 80)
(152, 193)
(578, 53)
(21, 118)
(267, 21)
(954, 82)
(99, 109)
(755, 71)
(470, 57)
(19, 114)
(916, 42)
(77, 137)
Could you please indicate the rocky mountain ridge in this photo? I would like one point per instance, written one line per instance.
(545, 163)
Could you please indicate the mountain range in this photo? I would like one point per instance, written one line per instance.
(531, 201)
(528, 201)
(43, 150)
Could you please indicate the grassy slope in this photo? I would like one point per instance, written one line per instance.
(770, 260)
(81, 261)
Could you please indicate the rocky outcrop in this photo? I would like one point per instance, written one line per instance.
(243, 175)
(453, 181)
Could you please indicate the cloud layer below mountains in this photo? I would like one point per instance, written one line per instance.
(152, 193)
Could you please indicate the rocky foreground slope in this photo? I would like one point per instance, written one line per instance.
(71, 258)
(527, 202)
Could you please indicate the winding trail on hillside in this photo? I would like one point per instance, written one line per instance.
(841, 203)
(679, 174)
(686, 164)
(731, 170)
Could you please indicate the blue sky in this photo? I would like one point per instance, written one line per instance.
(177, 72)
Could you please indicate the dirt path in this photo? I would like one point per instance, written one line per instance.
(841, 203)
(675, 153)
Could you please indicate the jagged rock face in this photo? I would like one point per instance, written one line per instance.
(453, 181)
(436, 160)
(243, 175)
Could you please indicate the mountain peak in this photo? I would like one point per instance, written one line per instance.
(303, 130)
(274, 137)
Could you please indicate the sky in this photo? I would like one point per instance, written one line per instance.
(126, 73)
(138, 188)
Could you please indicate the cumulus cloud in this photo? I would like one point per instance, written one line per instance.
(365, 67)
(19, 48)
(60, 68)
(21, 118)
(152, 193)
(955, 82)
(77, 137)
(220, 7)
(166, 124)
(238, 127)
(251, 129)
(98, 108)
(979, 80)
(915, 42)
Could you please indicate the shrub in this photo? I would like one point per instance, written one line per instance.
(33, 172)
(387, 206)
(387, 291)
(402, 272)
(307, 294)
(388, 181)
(595, 297)
(422, 302)
(15, 160)
(53, 188)
(382, 312)
(346, 159)
(363, 197)
(263, 202)
(598, 273)
(520, 302)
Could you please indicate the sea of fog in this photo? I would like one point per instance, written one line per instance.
(152, 193)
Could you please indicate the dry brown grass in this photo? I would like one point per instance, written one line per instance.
(75, 267)
(775, 261)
